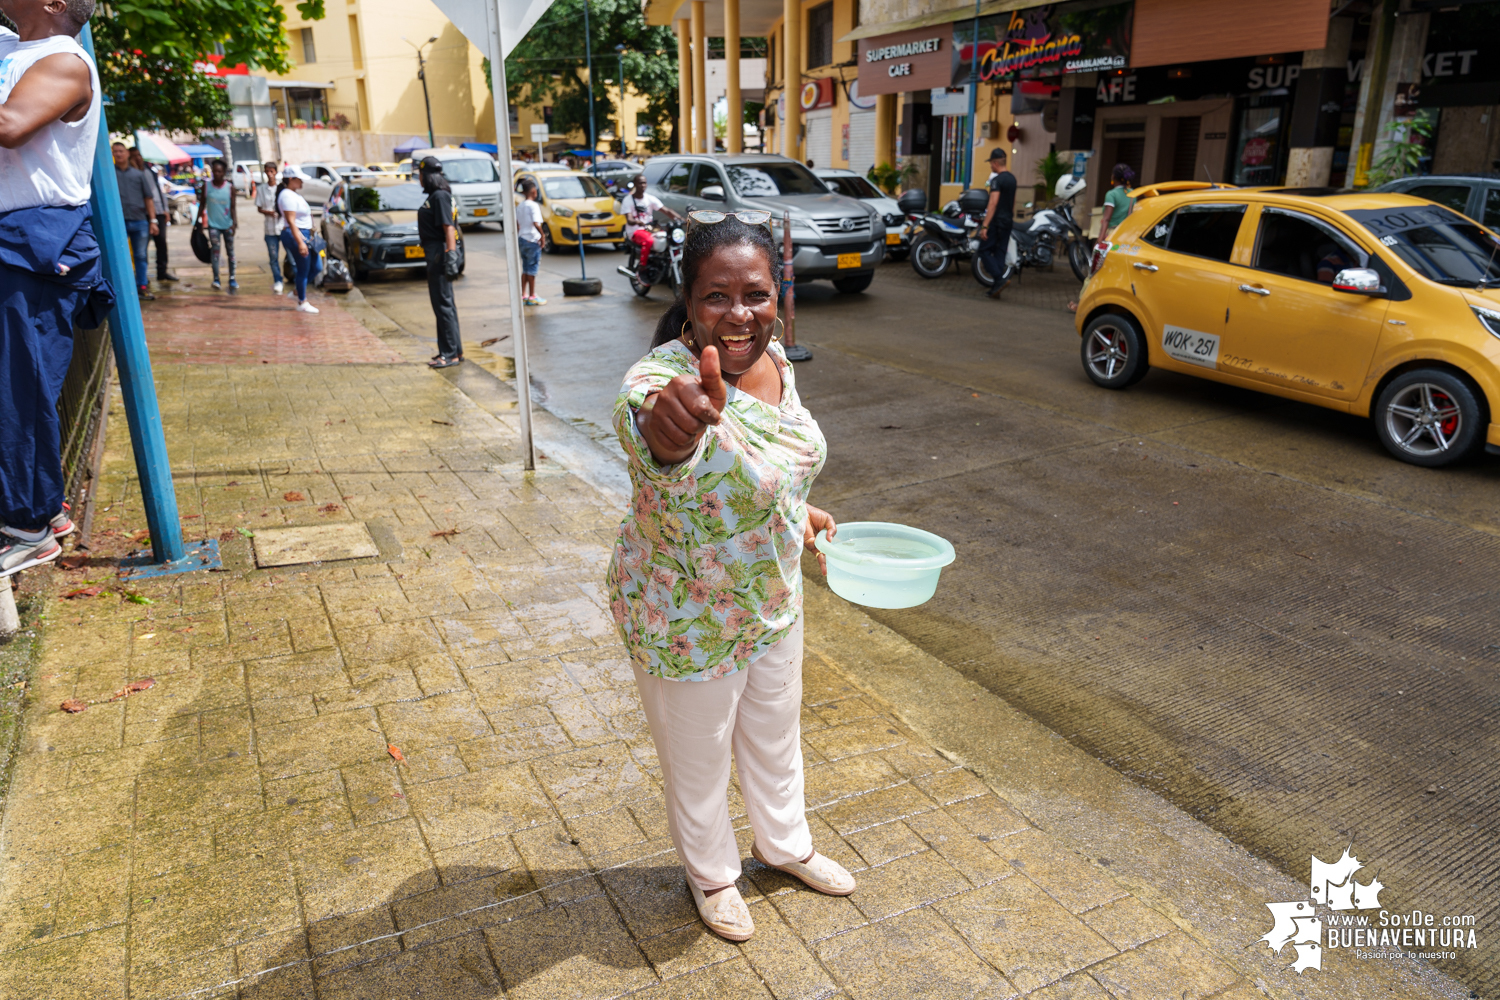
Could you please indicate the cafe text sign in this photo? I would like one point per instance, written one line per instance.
(906, 60)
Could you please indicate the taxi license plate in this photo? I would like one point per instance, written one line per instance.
(892, 239)
(412, 252)
(599, 231)
(848, 260)
(481, 211)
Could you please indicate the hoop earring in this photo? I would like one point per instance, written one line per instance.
(682, 334)
(776, 337)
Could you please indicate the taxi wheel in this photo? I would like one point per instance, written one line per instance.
(1430, 417)
(1114, 352)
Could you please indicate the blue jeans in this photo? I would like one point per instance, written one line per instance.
(531, 256)
(273, 247)
(302, 266)
(139, 233)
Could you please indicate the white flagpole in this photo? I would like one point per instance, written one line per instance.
(512, 232)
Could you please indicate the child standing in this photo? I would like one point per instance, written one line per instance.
(529, 231)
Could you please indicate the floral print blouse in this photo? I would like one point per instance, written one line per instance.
(707, 572)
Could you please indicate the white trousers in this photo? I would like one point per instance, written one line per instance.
(756, 713)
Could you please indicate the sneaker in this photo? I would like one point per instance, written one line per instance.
(306, 307)
(144, 292)
(233, 283)
(276, 288)
(17, 554)
(62, 524)
(216, 283)
(536, 301)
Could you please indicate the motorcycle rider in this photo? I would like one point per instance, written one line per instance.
(639, 209)
(999, 218)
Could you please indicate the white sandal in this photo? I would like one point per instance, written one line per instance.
(725, 913)
(821, 873)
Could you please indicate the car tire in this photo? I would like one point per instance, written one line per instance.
(855, 284)
(1114, 352)
(927, 257)
(1430, 417)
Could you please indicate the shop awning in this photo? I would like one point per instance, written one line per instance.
(200, 150)
(411, 145)
(481, 147)
(159, 149)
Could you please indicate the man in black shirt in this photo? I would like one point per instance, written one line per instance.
(998, 219)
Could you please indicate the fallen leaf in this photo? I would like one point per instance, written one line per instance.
(292, 496)
(491, 341)
(141, 536)
(445, 423)
(82, 592)
(148, 635)
(395, 752)
(129, 689)
(347, 496)
(329, 508)
(246, 532)
(227, 485)
(73, 562)
(191, 517)
(890, 427)
(446, 533)
(73, 706)
(135, 598)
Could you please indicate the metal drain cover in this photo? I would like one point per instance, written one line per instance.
(315, 543)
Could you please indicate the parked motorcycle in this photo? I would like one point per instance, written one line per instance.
(1033, 242)
(949, 235)
(663, 265)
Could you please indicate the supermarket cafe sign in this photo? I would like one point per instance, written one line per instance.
(913, 60)
(1044, 41)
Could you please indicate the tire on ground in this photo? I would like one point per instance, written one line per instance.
(1114, 351)
(1419, 409)
(582, 286)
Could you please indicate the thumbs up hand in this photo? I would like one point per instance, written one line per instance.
(675, 418)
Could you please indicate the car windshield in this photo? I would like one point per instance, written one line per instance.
(561, 188)
(1438, 243)
(854, 187)
(767, 180)
(386, 198)
(470, 171)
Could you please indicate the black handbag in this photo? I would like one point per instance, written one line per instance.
(199, 241)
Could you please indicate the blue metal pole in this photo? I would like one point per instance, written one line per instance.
(972, 139)
(128, 335)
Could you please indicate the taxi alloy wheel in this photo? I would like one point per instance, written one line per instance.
(1114, 352)
(1429, 417)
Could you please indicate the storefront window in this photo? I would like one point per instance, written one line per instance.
(1258, 154)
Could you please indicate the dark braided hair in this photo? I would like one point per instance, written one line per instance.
(702, 243)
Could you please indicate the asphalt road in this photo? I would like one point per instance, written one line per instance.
(1242, 603)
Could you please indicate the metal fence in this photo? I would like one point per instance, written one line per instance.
(82, 407)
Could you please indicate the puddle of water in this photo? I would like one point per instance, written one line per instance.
(495, 364)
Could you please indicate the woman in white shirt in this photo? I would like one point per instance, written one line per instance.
(296, 235)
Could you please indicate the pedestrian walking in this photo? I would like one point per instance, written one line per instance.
(999, 218)
(138, 203)
(529, 233)
(218, 212)
(1117, 203)
(264, 194)
(296, 232)
(51, 275)
(705, 582)
(159, 201)
(437, 231)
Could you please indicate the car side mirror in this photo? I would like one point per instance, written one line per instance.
(712, 192)
(1358, 281)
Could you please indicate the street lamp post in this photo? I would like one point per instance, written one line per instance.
(620, 59)
(588, 53)
(422, 75)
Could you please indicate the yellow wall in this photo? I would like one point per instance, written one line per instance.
(843, 23)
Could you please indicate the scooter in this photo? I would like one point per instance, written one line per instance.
(1032, 242)
(663, 265)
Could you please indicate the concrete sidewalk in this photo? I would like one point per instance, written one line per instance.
(425, 772)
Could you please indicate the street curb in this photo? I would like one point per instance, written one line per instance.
(1213, 890)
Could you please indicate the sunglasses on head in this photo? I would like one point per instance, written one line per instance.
(750, 216)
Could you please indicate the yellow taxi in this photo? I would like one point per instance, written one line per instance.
(571, 200)
(1380, 305)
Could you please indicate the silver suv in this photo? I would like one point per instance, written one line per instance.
(833, 236)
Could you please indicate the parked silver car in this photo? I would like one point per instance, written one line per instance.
(833, 236)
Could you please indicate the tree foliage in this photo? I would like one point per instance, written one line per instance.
(548, 66)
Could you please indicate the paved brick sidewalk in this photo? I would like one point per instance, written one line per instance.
(241, 828)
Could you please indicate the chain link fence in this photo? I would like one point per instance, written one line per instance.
(83, 407)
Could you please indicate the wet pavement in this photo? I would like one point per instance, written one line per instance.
(1240, 603)
(424, 772)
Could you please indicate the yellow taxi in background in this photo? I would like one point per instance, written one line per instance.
(571, 200)
(1380, 305)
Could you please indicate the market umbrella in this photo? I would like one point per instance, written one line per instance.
(159, 149)
(411, 145)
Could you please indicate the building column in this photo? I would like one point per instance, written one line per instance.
(684, 90)
(1314, 127)
(704, 139)
(885, 129)
(791, 60)
(734, 132)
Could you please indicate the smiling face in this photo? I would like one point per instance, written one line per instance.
(733, 306)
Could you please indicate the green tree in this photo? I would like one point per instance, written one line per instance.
(548, 67)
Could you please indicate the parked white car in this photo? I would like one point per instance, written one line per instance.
(245, 173)
(475, 180)
(324, 175)
(858, 186)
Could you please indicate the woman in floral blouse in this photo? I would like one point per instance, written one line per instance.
(706, 581)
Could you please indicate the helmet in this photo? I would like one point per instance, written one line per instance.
(1068, 185)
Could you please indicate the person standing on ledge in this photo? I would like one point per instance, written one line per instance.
(51, 274)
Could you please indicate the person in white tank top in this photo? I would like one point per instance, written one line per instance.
(49, 259)
(49, 106)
